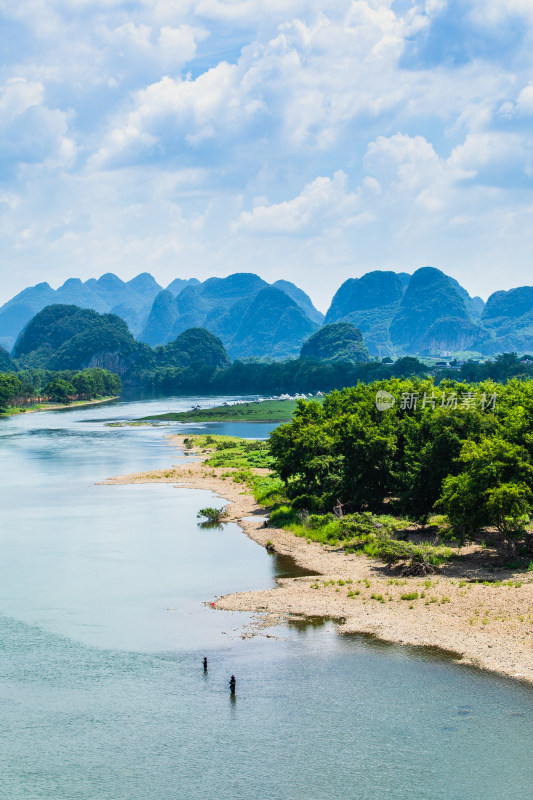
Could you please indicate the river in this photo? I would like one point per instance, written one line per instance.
(104, 624)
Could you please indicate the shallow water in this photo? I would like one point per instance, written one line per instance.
(103, 626)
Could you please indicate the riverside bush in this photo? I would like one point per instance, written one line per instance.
(463, 449)
(212, 514)
(365, 533)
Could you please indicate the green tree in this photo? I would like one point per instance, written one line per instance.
(59, 390)
(493, 489)
(10, 387)
(430, 444)
(408, 365)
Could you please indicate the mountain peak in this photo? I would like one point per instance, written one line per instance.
(144, 282)
(109, 281)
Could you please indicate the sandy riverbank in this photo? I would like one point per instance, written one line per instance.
(485, 625)
(58, 406)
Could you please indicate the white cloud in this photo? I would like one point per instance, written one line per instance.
(167, 47)
(323, 202)
(178, 45)
(311, 81)
(256, 98)
(492, 12)
(524, 103)
(318, 79)
(136, 35)
(29, 130)
(17, 95)
(173, 109)
(490, 150)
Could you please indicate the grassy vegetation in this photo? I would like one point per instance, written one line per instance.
(230, 451)
(53, 406)
(377, 536)
(240, 457)
(267, 411)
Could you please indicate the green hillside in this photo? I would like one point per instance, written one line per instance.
(338, 341)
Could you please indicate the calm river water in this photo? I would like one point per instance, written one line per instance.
(103, 628)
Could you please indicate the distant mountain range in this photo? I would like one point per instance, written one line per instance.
(251, 317)
(427, 313)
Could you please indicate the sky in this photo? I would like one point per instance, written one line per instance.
(304, 140)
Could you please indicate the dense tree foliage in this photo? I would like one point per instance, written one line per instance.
(10, 387)
(504, 367)
(338, 341)
(68, 337)
(192, 348)
(304, 375)
(59, 390)
(465, 449)
(33, 385)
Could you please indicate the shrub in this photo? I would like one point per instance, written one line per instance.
(410, 596)
(283, 516)
(212, 514)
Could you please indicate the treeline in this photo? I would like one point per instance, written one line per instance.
(257, 377)
(414, 448)
(305, 375)
(504, 367)
(37, 385)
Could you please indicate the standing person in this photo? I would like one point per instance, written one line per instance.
(232, 684)
(205, 664)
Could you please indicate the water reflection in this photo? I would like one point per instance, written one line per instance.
(209, 525)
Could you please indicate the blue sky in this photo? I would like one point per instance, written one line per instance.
(311, 141)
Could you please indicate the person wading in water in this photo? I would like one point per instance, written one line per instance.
(232, 684)
(205, 664)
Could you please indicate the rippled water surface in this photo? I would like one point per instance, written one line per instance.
(103, 626)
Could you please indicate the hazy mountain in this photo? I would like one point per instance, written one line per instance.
(20, 309)
(507, 321)
(75, 293)
(179, 284)
(397, 314)
(337, 341)
(212, 298)
(145, 285)
(162, 318)
(512, 304)
(301, 299)
(272, 326)
(158, 316)
(132, 300)
(6, 362)
(432, 297)
(370, 303)
(451, 334)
